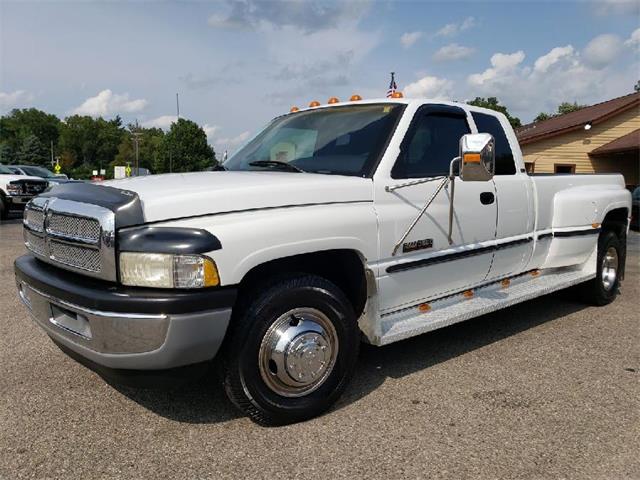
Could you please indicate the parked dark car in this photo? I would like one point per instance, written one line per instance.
(36, 171)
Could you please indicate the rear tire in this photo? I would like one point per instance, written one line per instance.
(292, 350)
(603, 289)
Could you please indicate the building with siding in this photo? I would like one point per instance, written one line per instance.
(602, 138)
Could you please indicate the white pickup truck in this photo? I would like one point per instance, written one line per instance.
(358, 221)
(16, 190)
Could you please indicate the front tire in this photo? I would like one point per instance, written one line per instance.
(603, 289)
(292, 350)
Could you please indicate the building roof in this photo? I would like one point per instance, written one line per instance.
(599, 112)
(628, 142)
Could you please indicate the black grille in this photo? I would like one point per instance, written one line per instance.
(31, 187)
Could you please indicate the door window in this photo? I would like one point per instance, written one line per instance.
(431, 145)
(504, 156)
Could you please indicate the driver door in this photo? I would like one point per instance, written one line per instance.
(426, 266)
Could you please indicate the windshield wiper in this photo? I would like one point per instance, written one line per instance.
(276, 163)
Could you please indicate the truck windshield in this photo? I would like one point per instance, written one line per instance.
(343, 140)
(4, 170)
(37, 171)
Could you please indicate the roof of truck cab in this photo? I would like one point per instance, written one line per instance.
(402, 101)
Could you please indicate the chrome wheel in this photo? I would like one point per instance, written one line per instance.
(609, 268)
(298, 352)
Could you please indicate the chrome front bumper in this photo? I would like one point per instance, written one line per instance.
(121, 340)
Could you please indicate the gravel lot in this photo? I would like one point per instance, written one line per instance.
(546, 389)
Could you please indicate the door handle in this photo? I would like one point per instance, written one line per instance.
(487, 198)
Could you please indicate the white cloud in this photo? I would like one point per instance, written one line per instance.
(602, 50)
(17, 98)
(328, 59)
(452, 52)
(409, 38)
(613, 7)
(560, 75)
(108, 103)
(429, 87)
(303, 15)
(556, 54)
(210, 131)
(164, 122)
(634, 39)
(310, 46)
(502, 65)
(231, 143)
(452, 29)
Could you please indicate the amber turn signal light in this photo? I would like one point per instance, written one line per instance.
(471, 158)
(424, 307)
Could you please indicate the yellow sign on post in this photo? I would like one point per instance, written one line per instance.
(128, 170)
(57, 168)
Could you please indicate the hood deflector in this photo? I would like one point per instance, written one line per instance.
(124, 203)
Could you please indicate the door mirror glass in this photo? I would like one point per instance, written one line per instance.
(477, 157)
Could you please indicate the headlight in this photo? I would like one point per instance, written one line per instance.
(164, 270)
(14, 189)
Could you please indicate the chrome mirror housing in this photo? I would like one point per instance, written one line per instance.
(477, 157)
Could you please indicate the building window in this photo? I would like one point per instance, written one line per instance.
(564, 168)
(529, 167)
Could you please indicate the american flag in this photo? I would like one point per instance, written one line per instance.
(392, 86)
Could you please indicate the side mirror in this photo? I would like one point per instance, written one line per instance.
(477, 157)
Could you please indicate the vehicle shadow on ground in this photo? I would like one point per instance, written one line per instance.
(204, 401)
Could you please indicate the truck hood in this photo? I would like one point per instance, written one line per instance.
(6, 178)
(180, 195)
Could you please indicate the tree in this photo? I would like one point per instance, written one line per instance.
(92, 142)
(542, 116)
(186, 145)
(494, 104)
(30, 131)
(32, 152)
(150, 145)
(563, 108)
(567, 107)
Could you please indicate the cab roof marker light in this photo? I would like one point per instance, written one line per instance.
(397, 95)
(294, 109)
(333, 100)
(355, 98)
(314, 103)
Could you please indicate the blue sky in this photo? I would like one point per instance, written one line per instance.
(237, 64)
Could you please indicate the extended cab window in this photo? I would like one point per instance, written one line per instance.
(505, 164)
(342, 140)
(430, 146)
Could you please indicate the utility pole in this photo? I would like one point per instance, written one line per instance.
(136, 139)
(52, 161)
(177, 107)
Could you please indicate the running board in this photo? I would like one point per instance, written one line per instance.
(456, 308)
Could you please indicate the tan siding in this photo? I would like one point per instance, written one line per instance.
(574, 147)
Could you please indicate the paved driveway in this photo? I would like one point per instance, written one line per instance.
(546, 389)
